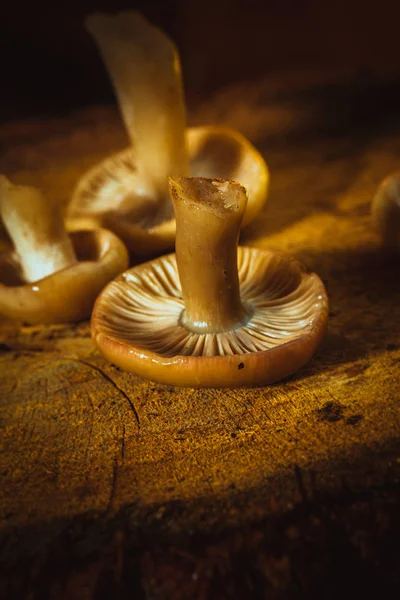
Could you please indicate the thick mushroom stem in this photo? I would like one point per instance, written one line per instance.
(36, 228)
(145, 69)
(208, 215)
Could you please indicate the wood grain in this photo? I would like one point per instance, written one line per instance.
(107, 479)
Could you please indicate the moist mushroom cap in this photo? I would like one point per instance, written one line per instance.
(110, 193)
(136, 324)
(68, 294)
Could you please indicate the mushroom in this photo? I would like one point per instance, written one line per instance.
(213, 314)
(46, 275)
(128, 192)
(386, 211)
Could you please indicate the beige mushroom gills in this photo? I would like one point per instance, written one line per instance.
(46, 275)
(213, 315)
(128, 192)
(386, 211)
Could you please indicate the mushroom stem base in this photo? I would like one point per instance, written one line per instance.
(216, 323)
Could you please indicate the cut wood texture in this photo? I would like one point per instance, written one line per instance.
(116, 487)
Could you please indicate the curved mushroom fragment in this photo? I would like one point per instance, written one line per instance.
(386, 211)
(36, 229)
(46, 275)
(128, 192)
(212, 315)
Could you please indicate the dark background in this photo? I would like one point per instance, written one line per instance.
(50, 64)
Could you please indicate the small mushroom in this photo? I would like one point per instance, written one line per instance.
(386, 211)
(212, 315)
(46, 275)
(128, 192)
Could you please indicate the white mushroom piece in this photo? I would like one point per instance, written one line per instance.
(386, 211)
(46, 275)
(128, 192)
(213, 314)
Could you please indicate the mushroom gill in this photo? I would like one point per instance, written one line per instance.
(145, 306)
(213, 314)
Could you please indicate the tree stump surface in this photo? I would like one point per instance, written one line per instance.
(116, 487)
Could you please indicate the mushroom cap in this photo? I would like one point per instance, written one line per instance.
(68, 294)
(136, 324)
(112, 192)
(386, 211)
(224, 153)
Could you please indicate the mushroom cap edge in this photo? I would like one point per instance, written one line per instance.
(69, 294)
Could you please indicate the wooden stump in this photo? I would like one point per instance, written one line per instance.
(116, 487)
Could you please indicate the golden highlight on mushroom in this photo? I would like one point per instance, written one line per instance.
(213, 314)
(46, 275)
(386, 211)
(128, 192)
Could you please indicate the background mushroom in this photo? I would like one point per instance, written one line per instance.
(386, 211)
(209, 315)
(128, 192)
(47, 276)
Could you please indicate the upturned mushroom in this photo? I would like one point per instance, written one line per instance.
(386, 211)
(128, 192)
(46, 275)
(211, 315)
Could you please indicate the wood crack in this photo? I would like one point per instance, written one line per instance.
(123, 443)
(300, 483)
(113, 486)
(114, 384)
